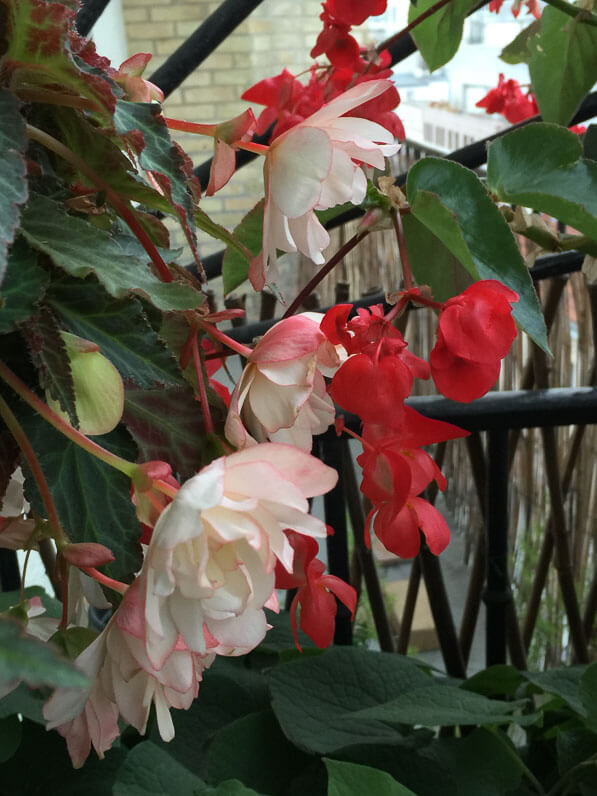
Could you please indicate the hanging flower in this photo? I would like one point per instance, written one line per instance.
(474, 333)
(124, 683)
(281, 395)
(314, 166)
(209, 569)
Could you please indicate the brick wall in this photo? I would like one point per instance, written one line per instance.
(278, 33)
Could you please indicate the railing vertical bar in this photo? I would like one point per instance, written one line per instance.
(337, 543)
(10, 576)
(408, 611)
(364, 554)
(497, 591)
(88, 15)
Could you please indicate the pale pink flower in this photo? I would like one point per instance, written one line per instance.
(209, 569)
(281, 395)
(15, 531)
(314, 166)
(124, 683)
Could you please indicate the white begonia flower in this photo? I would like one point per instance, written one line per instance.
(281, 395)
(209, 569)
(314, 166)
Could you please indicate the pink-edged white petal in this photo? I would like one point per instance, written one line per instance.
(297, 167)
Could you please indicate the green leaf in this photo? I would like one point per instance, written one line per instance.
(207, 224)
(235, 267)
(542, 166)
(498, 679)
(167, 424)
(350, 779)
(431, 262)
(25, 658)
(24, 285)
(318, 700)
(480, 756)
(149, 770)
(73, 640)
(446, 705)
(119, 327)
(228, 691)
(563, 64)
(13, 171)
(438, 37)
(590, 142)
(42, 767)
(44, 51)
(454, 205)
(92, 499)
(146, 132)
(26, 701)
(588, 695)
(563, 682)
(48, 354)
(230, 787)
(253, 750)
(518, 52)
(80, 249)
(10, 737)
(51, 604)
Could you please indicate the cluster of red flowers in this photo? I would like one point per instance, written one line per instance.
(474, 333)
(532, 7)
(288, 101)
(508, 99)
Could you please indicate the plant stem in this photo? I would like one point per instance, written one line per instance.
(207, 418)
(164, 488)
(111, 459)
(404, 261)
(581, 14)
(324, 271)
(210, 131)
(22, 441)
(519, 762)
(425, 15)
(55, 98)
(121, 207)
(217, 334)
(115, 585)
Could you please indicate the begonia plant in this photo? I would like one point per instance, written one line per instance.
(171, 512)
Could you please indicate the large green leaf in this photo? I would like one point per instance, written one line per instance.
(518, 52)
(26, 658)
(147, 134)
(48, 354)
(235, 267)
(318, 700)
(588, 695)
(254, 750)
(167, 424)
(24, 284)
(542, 166)
(438, 37)
(13, 171)
(453, 204)
(350, 779)
(149, 770)
(228, 691)
(480, 756)
(92, 500)
(445, 705)
(44, 51)
(563, 682)
(563, 64)
(431, 262)
(80, 249)
(119, 327)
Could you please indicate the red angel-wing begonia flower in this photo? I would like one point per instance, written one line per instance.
(355, 12)
(401, 535)
(475, 331)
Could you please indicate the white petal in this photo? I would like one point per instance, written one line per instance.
(297, 166)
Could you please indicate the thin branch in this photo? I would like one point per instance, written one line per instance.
(324, 271)
(579, 14)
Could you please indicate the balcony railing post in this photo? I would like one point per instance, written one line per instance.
(497, 592)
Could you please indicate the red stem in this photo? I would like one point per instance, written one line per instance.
(115, 585)
(207, 418)
(405, 262)
(324, 271)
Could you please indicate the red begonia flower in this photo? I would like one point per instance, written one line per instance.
(355, 12)
(316, 591)
(401, 535)
(508, 99)
(475, 331)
